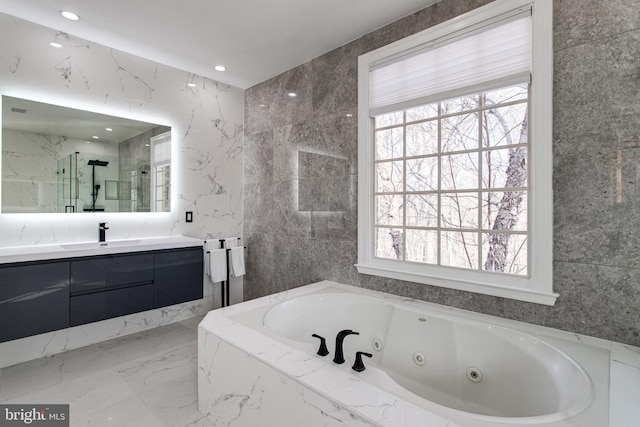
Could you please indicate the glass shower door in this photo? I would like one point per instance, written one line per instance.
(68, 183)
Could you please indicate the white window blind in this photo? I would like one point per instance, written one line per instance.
(497, 54)
(162, 150)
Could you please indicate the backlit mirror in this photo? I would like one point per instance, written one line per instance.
(60, 159)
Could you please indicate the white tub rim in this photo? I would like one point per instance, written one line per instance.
(222, 319)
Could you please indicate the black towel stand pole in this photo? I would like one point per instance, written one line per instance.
(224, 285)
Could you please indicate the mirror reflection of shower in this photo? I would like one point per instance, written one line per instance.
(101, 182)
(134, 176)
(95, 188)
(52, 145)
(67, 171)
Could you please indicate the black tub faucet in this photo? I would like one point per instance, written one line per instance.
(339, 356)
(358, 365)
(322, 350)
(102, 232)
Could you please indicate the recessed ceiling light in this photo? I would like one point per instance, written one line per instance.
(147, 145)
(349, 115)
(56, 45)
(95, 137)
(261, 105)
(88, 142)
(69, 15)
(220, 68)
(191, 84)
(108, 129)
(292, 94)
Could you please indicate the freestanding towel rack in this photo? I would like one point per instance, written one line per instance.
(224, 285)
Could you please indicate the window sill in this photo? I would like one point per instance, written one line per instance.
(492, 289)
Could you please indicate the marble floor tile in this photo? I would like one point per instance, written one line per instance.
(144, 379)
(192, 323)
(167, 383)
(127, 412)
(86, 395)
(151, 341)
(41, 373)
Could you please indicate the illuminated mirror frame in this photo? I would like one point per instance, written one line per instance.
(56, 102)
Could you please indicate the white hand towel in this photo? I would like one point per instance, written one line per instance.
(237, 261)
(207, 262)
(230, 242)
(218, 265)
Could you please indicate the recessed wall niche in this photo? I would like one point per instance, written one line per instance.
(323, 183)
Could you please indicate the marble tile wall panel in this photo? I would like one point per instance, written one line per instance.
(582, 21)
(206, 121)
(323, 183)
(596, 133)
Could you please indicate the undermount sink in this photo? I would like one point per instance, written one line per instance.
(97, 245)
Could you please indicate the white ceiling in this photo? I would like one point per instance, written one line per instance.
(254, 39)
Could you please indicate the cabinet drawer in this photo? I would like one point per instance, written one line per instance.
(178, 276)
(111, 303)
(113, 271)
(34, 299)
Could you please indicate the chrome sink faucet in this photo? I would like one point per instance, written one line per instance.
(102, 232)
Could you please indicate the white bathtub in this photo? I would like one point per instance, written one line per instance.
(431, 365)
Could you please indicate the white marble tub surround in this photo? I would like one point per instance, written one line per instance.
(77, 249)
(241, 368)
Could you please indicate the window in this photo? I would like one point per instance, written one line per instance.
(161, 172)
(455, 154)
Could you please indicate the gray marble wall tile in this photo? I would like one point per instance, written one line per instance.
(259, 277)
(323, 183)
(596, 218)
(597, 94)
(596, 133)
(272, 106)
(258, 157)
(580, 21)
(618, 297)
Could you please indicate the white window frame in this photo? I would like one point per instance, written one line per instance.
(153, 141)
(537, 287)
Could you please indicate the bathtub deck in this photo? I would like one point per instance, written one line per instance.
(248, 377)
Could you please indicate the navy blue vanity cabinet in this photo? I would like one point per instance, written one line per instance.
(177, 276)
(34, 299)
(102, 305)
(109, 286)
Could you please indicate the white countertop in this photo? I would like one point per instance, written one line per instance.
(82, 249)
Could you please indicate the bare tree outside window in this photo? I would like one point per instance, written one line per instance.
(451, 183)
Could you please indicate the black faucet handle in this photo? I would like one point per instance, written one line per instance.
(322, 350)
(103, 225)
(359, 365)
